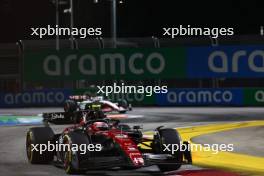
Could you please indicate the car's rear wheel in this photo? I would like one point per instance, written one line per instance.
(35, 137)
(123, 103)
(169, 136)
(72, 159)
(70, 106)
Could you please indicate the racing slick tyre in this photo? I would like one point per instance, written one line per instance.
(77, 117)
(37, 136)
(70, 106)
(123, 103)
(170, 136)
(72, 160)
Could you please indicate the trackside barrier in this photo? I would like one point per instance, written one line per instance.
(174, 97)
(35, 98)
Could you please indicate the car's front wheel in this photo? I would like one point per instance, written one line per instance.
(72, 159)
(35, 137)
(169, 137)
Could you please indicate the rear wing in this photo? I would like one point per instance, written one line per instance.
(63, 117)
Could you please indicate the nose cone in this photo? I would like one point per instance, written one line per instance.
(137, 159)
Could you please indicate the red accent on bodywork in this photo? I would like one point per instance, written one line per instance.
(107, 109)
(117, 116)
(125, 142)
(206, 172)
(128, 146)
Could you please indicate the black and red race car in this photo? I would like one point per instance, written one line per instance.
(114, 145)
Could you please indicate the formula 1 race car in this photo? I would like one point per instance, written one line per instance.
(107, 144)
(77, 106)
(83, 102)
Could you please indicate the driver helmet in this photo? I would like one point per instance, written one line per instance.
(100, 126)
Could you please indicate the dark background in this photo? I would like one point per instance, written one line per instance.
(136, 18)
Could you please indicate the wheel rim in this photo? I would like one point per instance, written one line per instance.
(67, 158)
(66, 107)
(29, 147)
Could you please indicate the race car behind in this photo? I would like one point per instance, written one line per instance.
(83, 102)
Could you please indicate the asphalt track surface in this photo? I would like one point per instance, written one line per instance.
(13, 159)
(248, 141)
